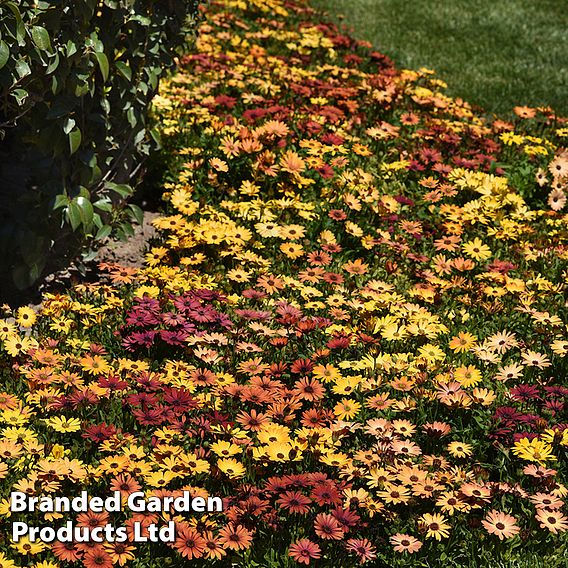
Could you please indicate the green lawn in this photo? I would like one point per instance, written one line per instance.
(493, 53)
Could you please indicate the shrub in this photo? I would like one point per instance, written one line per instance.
(76, 80)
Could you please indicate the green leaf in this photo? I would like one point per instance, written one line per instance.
(103, 233)
(103, 205)
(60, 201)
(71, 48)
(122, 189)
(102, 60)
(137, 213)
(20, 95)
(40, 37)
(86, 210)
(22, 69)
(53, 65)
(124, 70)
(4, 53)
(75, 138)
(73, 214)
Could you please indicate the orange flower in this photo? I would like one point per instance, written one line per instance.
(355, 267)
(235, 537)
(292, 163)
(189, 543)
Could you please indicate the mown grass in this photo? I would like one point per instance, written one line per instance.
(493, 53)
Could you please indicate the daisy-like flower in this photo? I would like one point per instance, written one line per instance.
(460, 449)
(327, 527)
(534, 359)
(462, 342)
(538, 472)
(63, 424)
(26, 316)
(554, 521)
(435, 526)
(231, 467)
(556, 199)
(363, 548)
(476, 249)
(97, 557)
(449, 502)
(120, 552)
(546, 501)
(235, 537)
(347, 409)
(534, 450)
(502, 341)
(405, 543)
(213, 548)
(500, 524)
(304, 550)
(559, 166)
(189, 543)
(295, 502)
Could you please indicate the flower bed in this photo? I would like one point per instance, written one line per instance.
(352, 329)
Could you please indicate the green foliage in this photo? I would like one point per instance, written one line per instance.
(76, 79)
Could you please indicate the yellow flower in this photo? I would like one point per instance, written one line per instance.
(231, 467)
(279, 451)
(534, 450)
(62, 325)
(292, 250)
(435, 526)
(63, 424)
(25, 546)
(26, 316)
(326, 373)
(459, 449)
(15, 344)
(7, 329)
(476, 249)
(225, 449)
(467, 376)
(346, 409)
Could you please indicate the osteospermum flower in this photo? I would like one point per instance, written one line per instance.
(476, 249)
(500, 524)
(462, 342)
(63, 424)
(189, 543)
(295, 502)
(405, 543)
(235, 537)
(363, 548)
(534, 450)
(546, 501)
(327, 527)
(231, 467)
(554, 521)
(460, 449)
(346, 409)
(97, 557)
(304, 550)
(25, 316)
(120, 552)
(435, 526)
(557, 199)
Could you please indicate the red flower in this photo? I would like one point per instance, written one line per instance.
(304, 550)
(327, 527)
